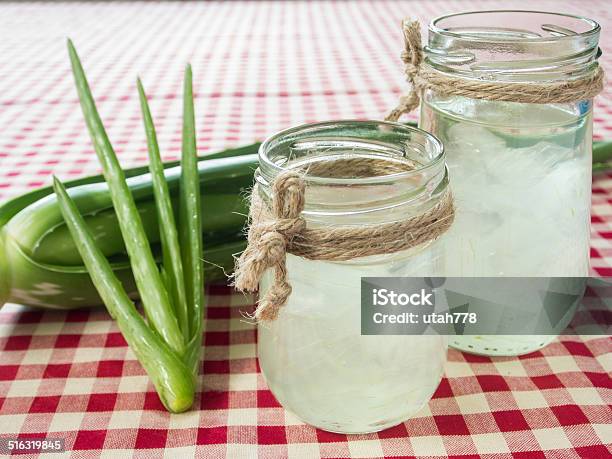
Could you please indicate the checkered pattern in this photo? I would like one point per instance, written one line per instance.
(259, 67)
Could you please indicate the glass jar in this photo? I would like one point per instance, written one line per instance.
(521, 172)
(313, 356)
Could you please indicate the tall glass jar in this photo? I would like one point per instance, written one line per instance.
(313, 356)
(521, 172)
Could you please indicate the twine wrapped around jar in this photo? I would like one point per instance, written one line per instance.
(280, 229)
(422, 76)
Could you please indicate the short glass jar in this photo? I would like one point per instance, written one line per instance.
(521, 172)
(313, 356)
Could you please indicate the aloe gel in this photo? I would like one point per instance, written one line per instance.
(313, 356)
(520, 172)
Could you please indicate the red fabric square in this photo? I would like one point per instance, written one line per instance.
(80, 315)
(593, 452)
(30, 317)
(219, 289)
(218, 313)
(152, 402)
(330, 437)
(599, 379)
(509, 421)
(444, 389)
(57, 370)
(577, 348)
(217, 338)
(67, 341)
(271, 435)
(604, 272)
(214, 400)
(473, 358)
(101, 402)
(115, 340)
(17, 343)
(89, 439)
(8, 372)
(212, 435)
(606, 235)
(601, 317)
(569, 415)
(492, 383)
(110, 368)
(151, 438)
(45, 404)
(265, 399)
(547, 382)
(398, 431)
(216, 366)
(451, 424)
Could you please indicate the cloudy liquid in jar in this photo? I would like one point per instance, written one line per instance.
(319, 366)
(314, 358)
(521, 178)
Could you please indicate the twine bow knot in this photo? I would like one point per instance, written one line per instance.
(278, 228)
(268, 242)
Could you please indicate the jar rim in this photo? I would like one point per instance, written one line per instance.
(269, 168)
(594, 30)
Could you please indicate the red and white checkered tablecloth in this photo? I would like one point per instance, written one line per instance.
(259, 67)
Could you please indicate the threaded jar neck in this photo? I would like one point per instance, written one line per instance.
(513, 45)
(401, 169)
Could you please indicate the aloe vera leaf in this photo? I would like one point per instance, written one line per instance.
(171, 251)
(26, 281)
(5, 279)
(602, 151)
(154, 296)
(42, 233)
(60, 281)
(190, 230)
(173, 380)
